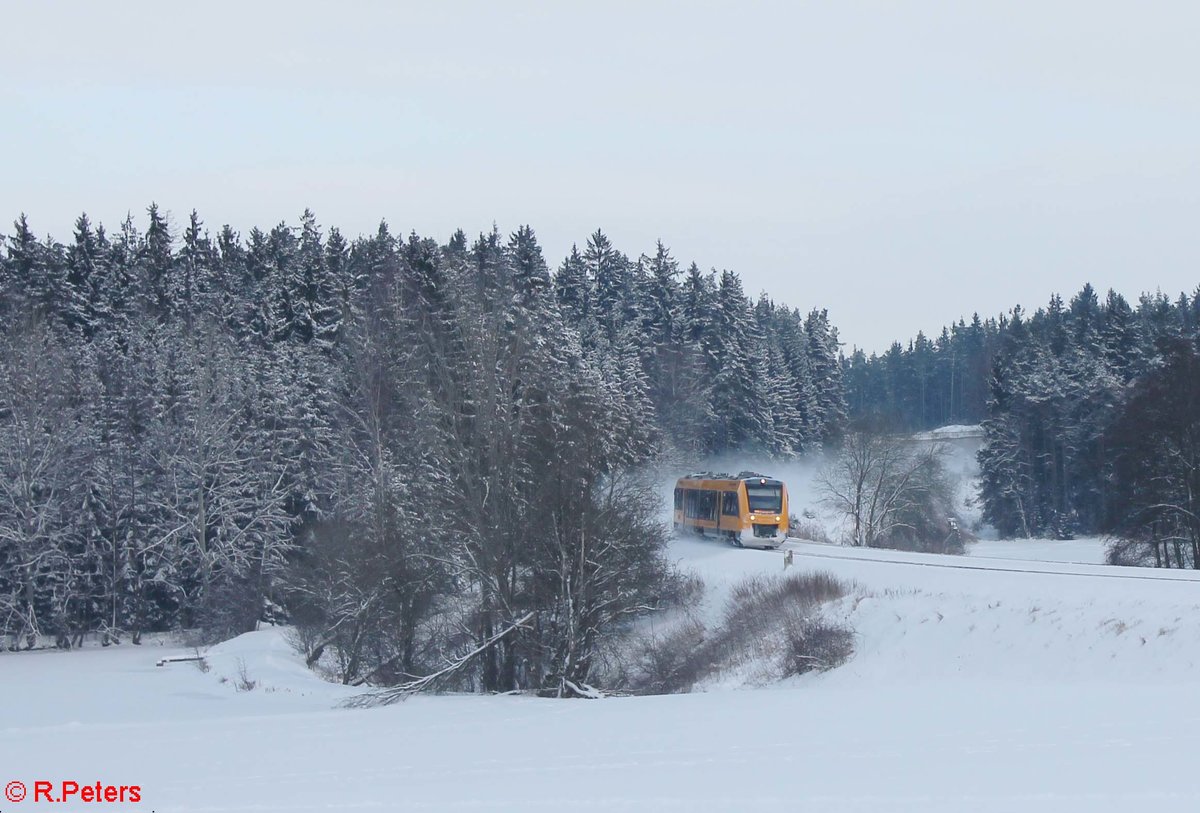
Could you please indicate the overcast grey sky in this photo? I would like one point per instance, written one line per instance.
(901, 164)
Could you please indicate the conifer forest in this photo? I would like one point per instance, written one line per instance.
(401, 446)
(410, 448)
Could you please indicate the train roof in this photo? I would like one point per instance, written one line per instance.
(718, 475)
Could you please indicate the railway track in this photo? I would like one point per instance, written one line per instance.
(1051, 569)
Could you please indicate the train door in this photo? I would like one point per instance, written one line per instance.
(730, 513)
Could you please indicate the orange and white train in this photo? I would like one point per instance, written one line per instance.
(748, 510)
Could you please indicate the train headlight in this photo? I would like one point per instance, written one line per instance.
(777, 519)
(753, 518)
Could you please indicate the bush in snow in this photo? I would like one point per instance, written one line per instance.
(771, 628)
(815, 645)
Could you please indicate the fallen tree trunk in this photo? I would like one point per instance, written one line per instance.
(394, 694)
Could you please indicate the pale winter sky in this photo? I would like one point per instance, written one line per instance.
(901, 164)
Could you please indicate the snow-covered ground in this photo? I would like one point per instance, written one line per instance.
(980, 683)
(1086, 550)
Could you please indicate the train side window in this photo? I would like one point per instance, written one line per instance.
(689, 501)
(729, 503)
(708, 506)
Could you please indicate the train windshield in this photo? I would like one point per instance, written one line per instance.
(765, 498)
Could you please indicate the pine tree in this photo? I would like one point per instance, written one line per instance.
(698, 309)
(787, 386)
(823, 351)
(37, 273)
(317, 312)
(743, 418)
(231, 284)
(659, 299)
(88, 277)
(155, 262)
(347, 281)
(1119, 337)
(193, 280)
(573, 289)
(610, 275)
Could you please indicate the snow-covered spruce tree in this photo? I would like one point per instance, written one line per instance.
(659, 298)
(627, 400)
(37, 275)
(88, 270)
(1009, 464)
(785, 393)
(120, 295)
(1119, 336)
(283, 285)
(829, 407)
(498, 358)
(346, 279)
(681, 385)
(230, 284)
(7, 282)
(611, 276)
(740, 405)
(137, 591)
(155, 264)
(378, 563)
(295, 409)
(573, 289)
(192, 277)
(318, 310)
(793, 345)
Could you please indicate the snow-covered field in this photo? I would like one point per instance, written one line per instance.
(982, 683)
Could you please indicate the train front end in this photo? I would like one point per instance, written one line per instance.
(765, 512)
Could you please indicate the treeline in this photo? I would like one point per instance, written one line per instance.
(928, 383)
(407, 448)
(1090, 411)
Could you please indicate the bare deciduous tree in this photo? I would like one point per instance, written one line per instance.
(881, 483)
(220, 495)
(43, 426)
